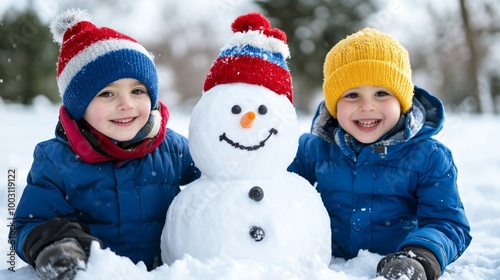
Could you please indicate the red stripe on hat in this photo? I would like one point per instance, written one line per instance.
(82, 35)
(250, 70)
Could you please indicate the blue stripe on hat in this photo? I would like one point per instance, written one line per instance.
(105, 69)
(249, 50)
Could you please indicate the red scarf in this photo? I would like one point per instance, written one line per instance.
(108, 150)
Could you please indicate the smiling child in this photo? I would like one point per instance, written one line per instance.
(113, 168)
(389, 187)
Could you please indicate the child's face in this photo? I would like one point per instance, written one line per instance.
(368, 112)
(120, 110)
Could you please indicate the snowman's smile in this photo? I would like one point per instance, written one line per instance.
(237, 145)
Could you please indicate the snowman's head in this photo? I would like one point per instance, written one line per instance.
(241, 131)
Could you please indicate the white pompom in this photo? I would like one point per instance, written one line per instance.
(65, 20)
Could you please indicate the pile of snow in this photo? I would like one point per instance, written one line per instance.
(469, 137)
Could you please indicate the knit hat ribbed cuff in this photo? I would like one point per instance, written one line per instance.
(107, 68)
(367, 58)
(91, 58)
(367, 73)
(256, 54)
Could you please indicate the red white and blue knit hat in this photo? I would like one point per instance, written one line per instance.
(91, 58)
(256, 54)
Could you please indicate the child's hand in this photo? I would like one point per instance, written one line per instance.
(413, 262)
(61, 260)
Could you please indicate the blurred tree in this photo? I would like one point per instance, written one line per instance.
(495, 92)
(184, 50)
(313, 27)
(189, 43)
(27, 58)
(465, 60)
(442, 60)
(474, 59)
(484, 39)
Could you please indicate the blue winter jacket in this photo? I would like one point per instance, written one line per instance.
(123, 203)
(397, 192)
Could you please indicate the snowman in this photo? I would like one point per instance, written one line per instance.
(243, 134)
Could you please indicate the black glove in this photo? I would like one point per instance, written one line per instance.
(413, 262)
(61, 260)
(55, 230)
(58, 243)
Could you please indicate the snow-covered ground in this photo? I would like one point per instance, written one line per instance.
(471, 138)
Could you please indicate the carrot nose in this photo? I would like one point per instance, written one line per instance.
(247, 119)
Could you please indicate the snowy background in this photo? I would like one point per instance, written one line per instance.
(470, 137)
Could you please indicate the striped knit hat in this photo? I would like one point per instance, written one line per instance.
(254, 55)
(91, 58)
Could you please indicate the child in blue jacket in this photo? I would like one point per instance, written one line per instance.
(389, 187)
(113, 168)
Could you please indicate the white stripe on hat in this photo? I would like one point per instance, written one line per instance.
(91, 53)
(257, 39)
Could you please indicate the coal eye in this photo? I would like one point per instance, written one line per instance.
(236, 109)
(262, 109)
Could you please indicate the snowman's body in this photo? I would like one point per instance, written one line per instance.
(227, 220)
(246, 205)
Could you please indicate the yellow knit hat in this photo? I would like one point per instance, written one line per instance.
(367, 58)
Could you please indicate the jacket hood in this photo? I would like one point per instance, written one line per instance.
(425, 119)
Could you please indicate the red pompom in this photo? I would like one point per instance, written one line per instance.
(276, 33)
(256, 21)
(250, 21)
